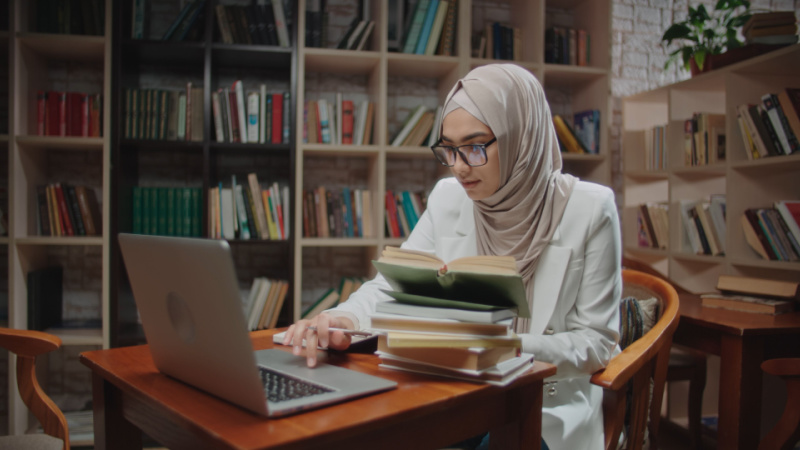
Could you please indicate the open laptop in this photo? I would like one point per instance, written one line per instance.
(189, 303)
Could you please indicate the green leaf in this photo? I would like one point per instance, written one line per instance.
(700, 58)
(676, 31)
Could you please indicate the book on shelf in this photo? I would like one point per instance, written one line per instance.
(166, 210)
(436, 28)
(327, 300)
(349, 40)
(489, 315)
(281, 26)
(264, 302)
(447, 40)
(337, 213)
(415, 24)
(767, 234)
(476, 282)
(187, 19)
(500, 374)
(771, 126)
(587, 129)
(566, 136)
(655, 145)
(654, 218)
(754, 235)
(789, 102)
(71, 17)
(60, 113)
(564, 45)
(789, 211)
(427, 27)
(252, 211)
(45, 297)
(761, 287)
(421, 130)
(408, 124)
(746, 303)
(470, 358)
(314, 19)
(67, 210)
(780, 123)
(768, 20)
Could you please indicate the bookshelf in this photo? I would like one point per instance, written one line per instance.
(210, 64)
(745, 183)
(70, 58)
(397, 82)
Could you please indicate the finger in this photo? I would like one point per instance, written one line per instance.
(299, 334)
(287, 337)
(311, 348)
(339, 340)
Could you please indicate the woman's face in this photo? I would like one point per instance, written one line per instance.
(461, 128)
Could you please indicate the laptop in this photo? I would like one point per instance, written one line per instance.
(189, 304)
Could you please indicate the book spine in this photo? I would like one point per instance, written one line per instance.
(277, 118)
(252, 117)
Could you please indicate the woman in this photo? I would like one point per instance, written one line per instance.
(508, 196)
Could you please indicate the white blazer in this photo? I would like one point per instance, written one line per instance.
(577, 288)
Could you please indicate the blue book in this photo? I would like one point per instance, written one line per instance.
(408, 207)
(425, 33)
(348, 212)
(415, 29)
(587, 129)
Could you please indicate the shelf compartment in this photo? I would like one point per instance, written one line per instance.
(324, 267)
(64, 47)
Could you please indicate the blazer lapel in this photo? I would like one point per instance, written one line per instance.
(547, 281)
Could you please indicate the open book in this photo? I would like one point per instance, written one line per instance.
(475, 282)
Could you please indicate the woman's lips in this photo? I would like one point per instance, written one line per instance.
(469, 184)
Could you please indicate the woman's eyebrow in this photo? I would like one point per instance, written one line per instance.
(468, 137)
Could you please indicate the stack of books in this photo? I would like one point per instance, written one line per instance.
(774, 233)
(705, 229)
(777, 27)
(451, 319)
(771, 127)
(756, 295)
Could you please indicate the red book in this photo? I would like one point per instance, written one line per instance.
(318, 123)
(51, 120)
(74, 110)
(348, 110)
(234, 116)
(41, 112)
(66, 225)
(277, 118)
(85, 117)
(62, 114)
(391, 211)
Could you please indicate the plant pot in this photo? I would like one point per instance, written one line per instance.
(707, 65)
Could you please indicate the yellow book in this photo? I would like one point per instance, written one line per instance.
(272, 227)
(567, 136)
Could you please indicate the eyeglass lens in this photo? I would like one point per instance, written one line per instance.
(474, 154)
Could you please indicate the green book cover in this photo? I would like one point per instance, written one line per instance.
(197, 212)
(171, 211)
(161, 212)
(458, 289)
(137, 210)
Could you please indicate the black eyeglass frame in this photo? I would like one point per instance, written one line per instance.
(482, 148)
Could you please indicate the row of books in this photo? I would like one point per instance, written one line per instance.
(166, 211)
(188, 25)
(250, 116)
(704, 139)
(427, 337)
(430, 28)
(564, 45)
(420, 127)
(756, 295)
(71, 17)
(499, 41)
(68, 210)
(655, 148)
(263, 303)
(164, 114)
(333, 296)
(704, 225)
(772, 127)
(776, 27)
(338, 122)
(357, 35)
(338, 212)
(774, 233)
(403, 210)
(581, 135)
(60, 113)
(653, 225)
(259, 23)
(249, 211)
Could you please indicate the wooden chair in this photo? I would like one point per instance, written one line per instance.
(684, 364)
(641, 368)
(786, 433)
(27, 345)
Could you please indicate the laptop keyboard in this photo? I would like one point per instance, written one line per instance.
(280, 387)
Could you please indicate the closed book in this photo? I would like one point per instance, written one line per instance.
(473, 358)
(279, 301)
(241, 109)
(348, 121)
(758, 134)
(415, 26)
(790, 211)
(409, 123)
(447, 41)
(43, 210)
(762, 287)
(401, 339)
(63, 211)
(427, 27)
(252, 117)
(280, 23)
(74, 210)
(567, 136)
(196, 113)
(386, 322)
(499, 374)
(769, 232)
(258, 206)
(587, 129)
(789, 100)
(746, 303)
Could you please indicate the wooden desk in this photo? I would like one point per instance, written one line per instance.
(742, 341)
(131, 397)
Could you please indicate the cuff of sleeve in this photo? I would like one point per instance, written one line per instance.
(347, 315)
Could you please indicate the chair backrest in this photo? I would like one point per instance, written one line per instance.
(641, 266)
(28, 344)
(638, 373)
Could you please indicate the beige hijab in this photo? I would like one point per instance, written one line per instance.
(522, 216)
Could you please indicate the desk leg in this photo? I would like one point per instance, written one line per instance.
(111, 430)
(525, 431)
(740, 392)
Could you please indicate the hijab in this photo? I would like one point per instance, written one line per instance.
(521, 217)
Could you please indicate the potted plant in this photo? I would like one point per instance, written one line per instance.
(705, 33)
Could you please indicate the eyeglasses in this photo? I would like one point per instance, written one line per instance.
(473, 154)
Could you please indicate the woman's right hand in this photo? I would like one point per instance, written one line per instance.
(319, 336)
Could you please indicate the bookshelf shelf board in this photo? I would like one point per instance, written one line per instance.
(400, 64)
(338, 242)
(255, 148)
(251, 56)
(339, 150)
(589, 159)
(78, 336)
(60, 142)
(59, 240)
(648, 174)
(713, 170)
(157, 144)
(261, 242)
(683, 256)
(658, 252)
(556, 74)
(782, 163)
(411, 152)
(345, 62)
(766, 264)
(163, 53)
(65, 47)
